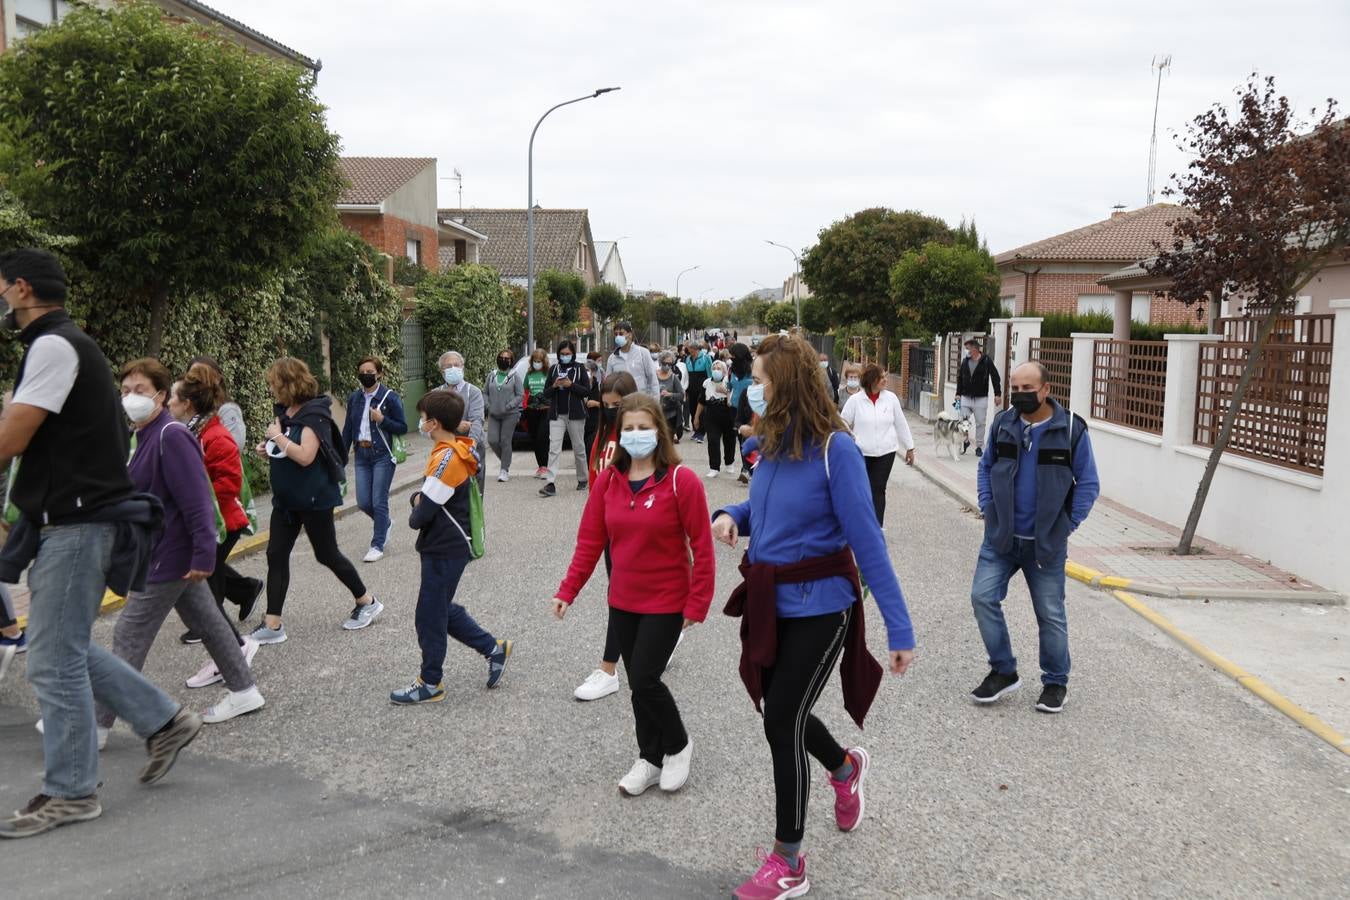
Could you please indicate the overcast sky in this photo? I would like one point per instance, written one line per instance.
(745, 121)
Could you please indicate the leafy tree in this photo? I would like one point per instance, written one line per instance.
(721, 314)
(407, 272)
(186, 164)
(568, 290)
(464, 308)
(849, 266)
(666, 312)
(815, 315)
(948, 287)
(606, 302)
(18, 228)
(638, 311)
(1268, 208)
(780, 316)
(547, 317)
(749, 310)
(692, 317)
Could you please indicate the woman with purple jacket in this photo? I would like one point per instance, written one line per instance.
(167, 462)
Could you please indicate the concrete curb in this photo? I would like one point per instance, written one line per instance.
(1103, 581)
(250, 545)
(1250, 682)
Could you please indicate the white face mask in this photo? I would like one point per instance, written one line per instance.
(537, 366)
(425, 426)
(138, 407)
(854, 384)
(453, 375)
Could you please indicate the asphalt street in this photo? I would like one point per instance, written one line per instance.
(1161, 778)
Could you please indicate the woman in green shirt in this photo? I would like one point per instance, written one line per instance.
(536, 409)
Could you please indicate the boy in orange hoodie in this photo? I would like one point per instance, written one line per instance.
(440, 513)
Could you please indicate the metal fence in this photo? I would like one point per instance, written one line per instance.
(414, 363)
(956, 348)
(1056, 354)
(1129, 380)
(921, 371)
(1283, 417)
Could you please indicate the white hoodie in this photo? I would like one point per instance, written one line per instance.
(878, 428)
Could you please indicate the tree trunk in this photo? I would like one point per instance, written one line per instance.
(159, 306)
(884, 350)
(1226, 432)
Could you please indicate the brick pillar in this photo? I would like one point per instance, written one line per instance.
(905, 344)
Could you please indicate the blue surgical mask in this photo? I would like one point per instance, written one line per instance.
(453, 375)
(620, 340)
(639, 443)
(754, 395)
(565, 359)
(716, 375)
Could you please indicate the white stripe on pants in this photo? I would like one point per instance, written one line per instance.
(978, 407)
(577, 429)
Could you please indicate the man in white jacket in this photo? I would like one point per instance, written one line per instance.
(880, 430)
(633, 359)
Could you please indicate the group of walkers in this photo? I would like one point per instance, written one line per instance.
(156, 517)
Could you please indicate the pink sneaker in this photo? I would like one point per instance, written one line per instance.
(848, 795)
(774, 880)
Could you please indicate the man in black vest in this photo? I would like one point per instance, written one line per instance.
(76, 501)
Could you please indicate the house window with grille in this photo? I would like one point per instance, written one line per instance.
(31, 16)
(461, 251)
(414, 250)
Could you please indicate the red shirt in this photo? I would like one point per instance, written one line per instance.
(660, 541)
(226, 470)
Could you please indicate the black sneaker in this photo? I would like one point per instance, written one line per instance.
(581, 485)
(548, 490)
(995, 686)
(246, 608)
(979, 451)
(497, 660)
(1052, 698)
(189, 637)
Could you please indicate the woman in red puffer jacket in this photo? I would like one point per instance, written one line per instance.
(195, 401)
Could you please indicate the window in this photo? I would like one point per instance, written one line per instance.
(1009, 305)
(414, 250)
(461, 251)
(34, 15)
(582, 256)
(1141, 307)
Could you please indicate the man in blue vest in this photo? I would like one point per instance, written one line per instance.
(1037, 483)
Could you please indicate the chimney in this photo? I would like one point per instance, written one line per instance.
(1118, 210)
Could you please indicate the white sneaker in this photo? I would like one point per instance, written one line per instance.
(374, 554)
(207, 675)
(235, 703)
(675, 769)
(504, 477)
(102, 733)
(731, 470)
(597, 684)
(642, 776)
(711, 473)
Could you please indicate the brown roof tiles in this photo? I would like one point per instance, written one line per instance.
(372, 179)
(1127, 237)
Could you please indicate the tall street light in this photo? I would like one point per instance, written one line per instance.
(529, 216)
(677, 279)
(796, 281)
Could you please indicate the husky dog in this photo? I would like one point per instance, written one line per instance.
(951, 431)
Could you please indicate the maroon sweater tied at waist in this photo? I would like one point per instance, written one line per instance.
(754, 602)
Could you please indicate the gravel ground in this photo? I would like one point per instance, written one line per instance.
(1161, 778)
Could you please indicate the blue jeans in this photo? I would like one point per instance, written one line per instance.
(374, 475)
(67, 671)
(993, 571)
(439, 616)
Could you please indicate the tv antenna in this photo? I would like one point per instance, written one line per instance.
(458, 178)
(1161, 64)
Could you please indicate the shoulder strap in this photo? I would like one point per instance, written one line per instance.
(1077, 429)
(827, 455)
(675, 479)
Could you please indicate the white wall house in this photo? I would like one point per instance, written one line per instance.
(611, 265)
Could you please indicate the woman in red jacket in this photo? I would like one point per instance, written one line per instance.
(196, 400)
(652, 514)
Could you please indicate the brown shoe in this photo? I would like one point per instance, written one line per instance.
(165, 744)
(44, 813)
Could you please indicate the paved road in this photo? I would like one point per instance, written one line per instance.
(1160, 779)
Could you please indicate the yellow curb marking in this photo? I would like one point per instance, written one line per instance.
(1244, 678)
(1082, 573)
(1115, 581)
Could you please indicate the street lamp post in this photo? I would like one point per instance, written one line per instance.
(529, 217)
(796, 280)
(677, 280)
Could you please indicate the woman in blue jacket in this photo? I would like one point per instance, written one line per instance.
(801, 602)
(374, 417)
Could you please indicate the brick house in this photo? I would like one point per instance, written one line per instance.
(20, 18)
(1062, 274)
(390, 201)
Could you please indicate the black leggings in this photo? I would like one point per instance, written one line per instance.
(720, 428)
(646, 641)
(611, 654)
(808, 650)
(536, 420)
(320, 527)
(878, 476)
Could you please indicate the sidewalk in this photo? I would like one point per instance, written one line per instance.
(1133, 550)
(406, 476)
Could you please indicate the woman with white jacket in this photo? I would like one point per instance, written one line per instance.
(880, 430)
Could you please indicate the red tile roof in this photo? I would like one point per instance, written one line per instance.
(373, 179)
(1127, 237)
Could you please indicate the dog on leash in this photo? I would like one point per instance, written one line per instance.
(951, 431)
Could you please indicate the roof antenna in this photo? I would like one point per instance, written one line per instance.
(1162, 64)
(459, 178)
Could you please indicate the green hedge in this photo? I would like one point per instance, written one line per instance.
(464, 308)
(1062, 325)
